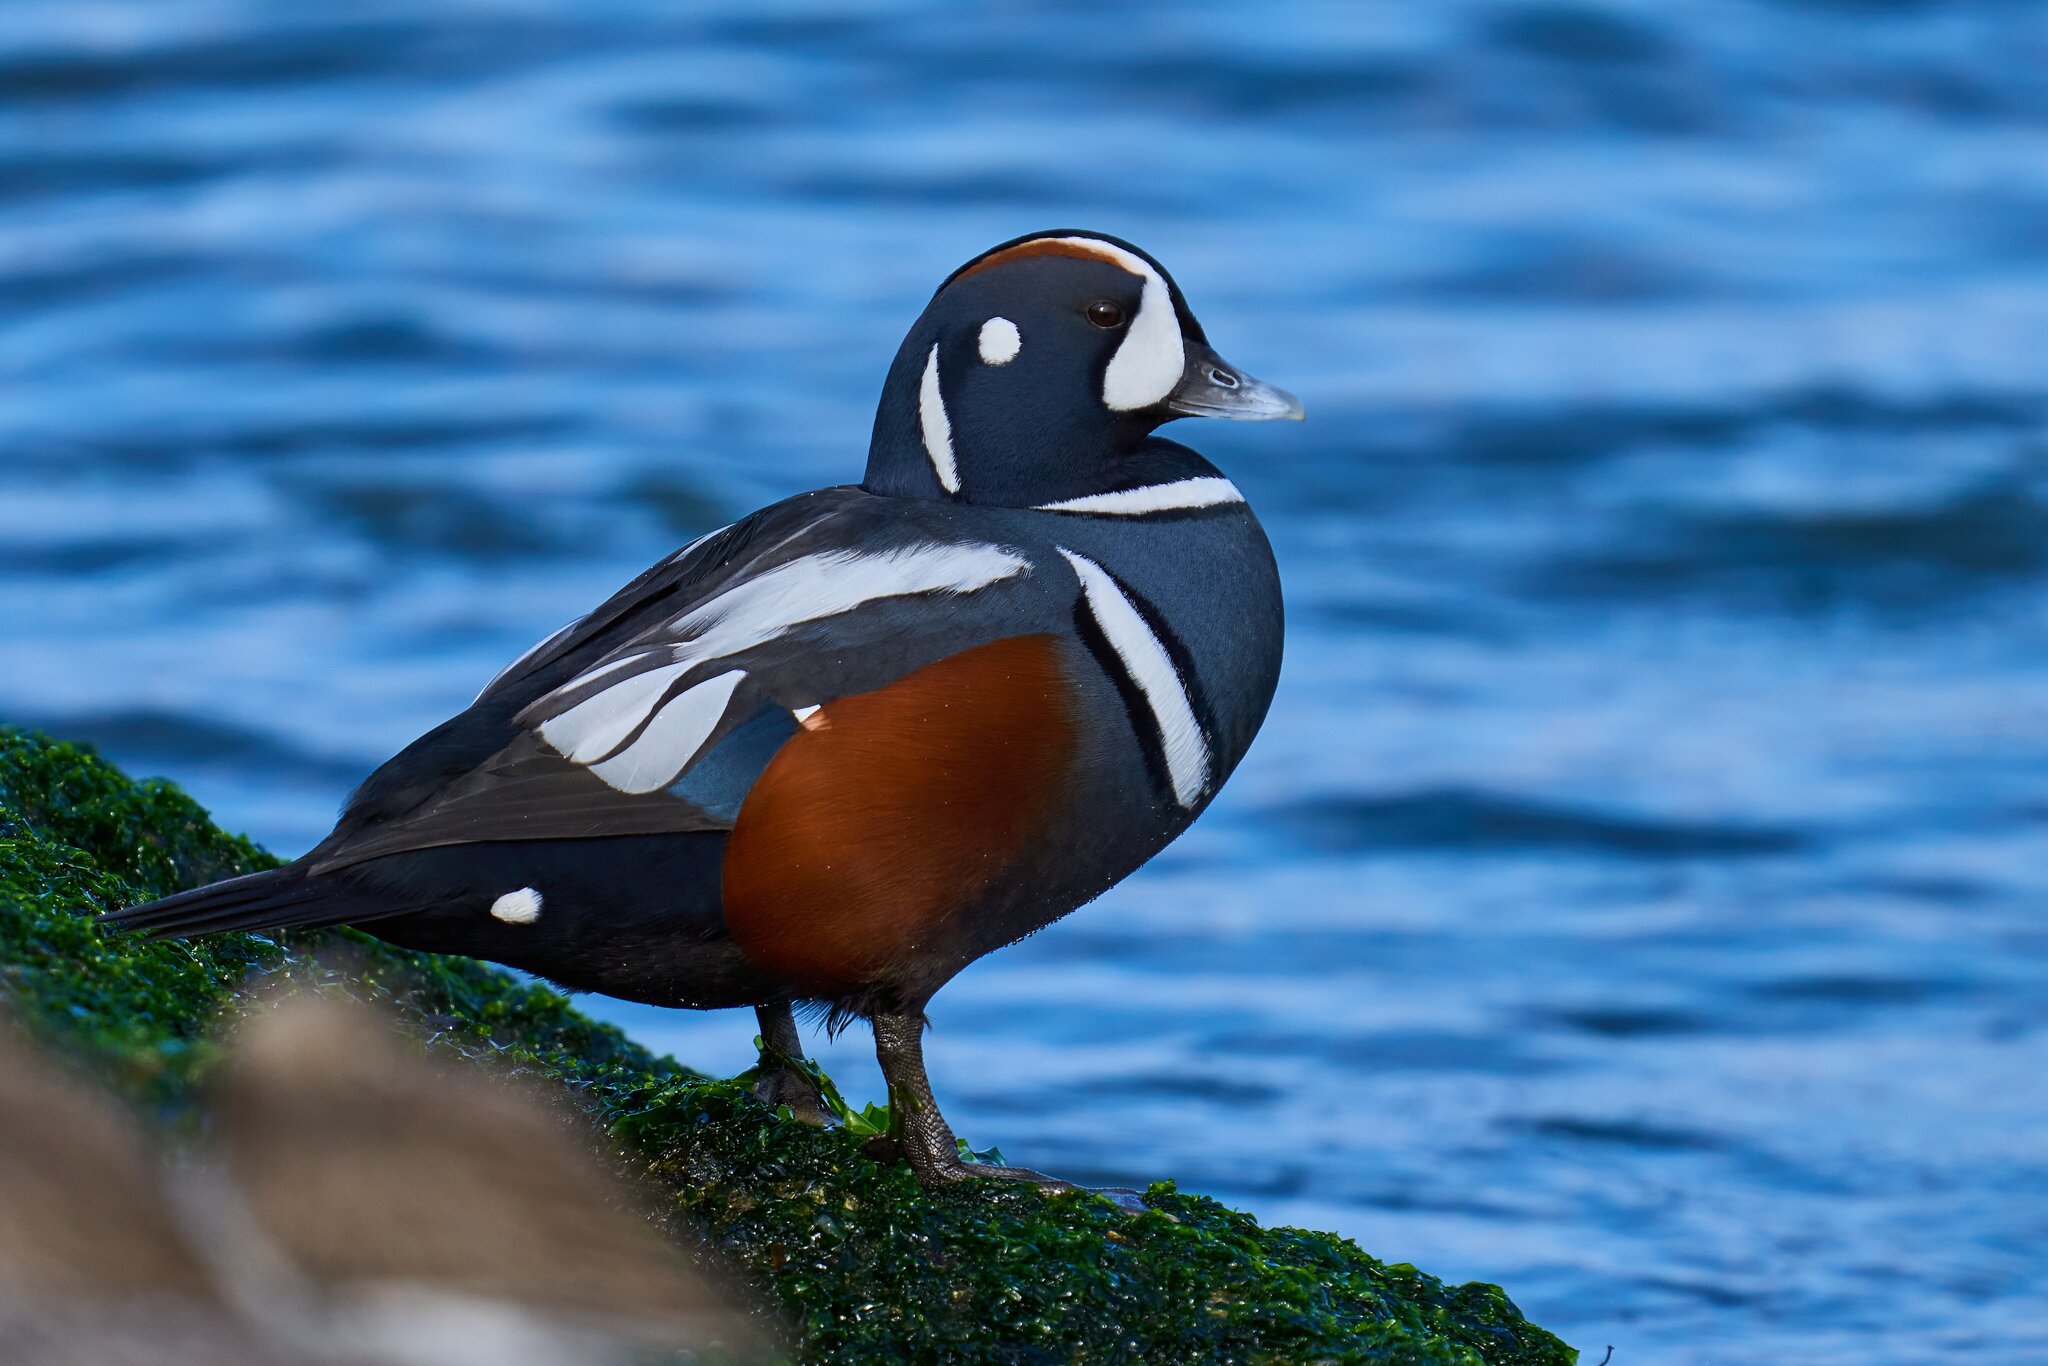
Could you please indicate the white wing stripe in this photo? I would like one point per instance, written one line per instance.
(594, 727)
(610, 666)
(660, 753)
(749, 613)
(1151, 668)
(1206, 492)
(830, 583)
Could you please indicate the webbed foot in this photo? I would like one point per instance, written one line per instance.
(777, 1080)
(925, 1140)
(959, 1169)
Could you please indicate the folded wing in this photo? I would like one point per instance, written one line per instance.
(658, 711)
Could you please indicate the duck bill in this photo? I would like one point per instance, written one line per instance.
(1210, 386)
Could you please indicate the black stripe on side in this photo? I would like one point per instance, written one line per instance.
(1144, 725)
(1183, 663)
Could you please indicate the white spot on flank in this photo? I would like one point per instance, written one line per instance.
(1151, 668)
(1149, 362)
(803, 715)
(938, 428)
(1181, 495)
(517, 908)
(1000, 341)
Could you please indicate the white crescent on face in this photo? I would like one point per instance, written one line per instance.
(1150, 359)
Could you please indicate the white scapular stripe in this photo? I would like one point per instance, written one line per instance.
(749, 613)
(1149, 362)
(660, 753)
(1182, 494)
(938, 428)
(1151, 668)
(829, 583)
(999, 341)
(596, 726)
(517, 908)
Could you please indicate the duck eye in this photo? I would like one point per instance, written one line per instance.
(1103, 313)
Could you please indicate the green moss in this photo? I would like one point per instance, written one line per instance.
(867, 1266)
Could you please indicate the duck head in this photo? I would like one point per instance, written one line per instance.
(1040, 370)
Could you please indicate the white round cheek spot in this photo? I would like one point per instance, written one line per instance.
(1000, 341)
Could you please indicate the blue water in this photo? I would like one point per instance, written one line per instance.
(1636, 896)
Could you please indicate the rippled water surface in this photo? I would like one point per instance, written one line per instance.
(1636, 896)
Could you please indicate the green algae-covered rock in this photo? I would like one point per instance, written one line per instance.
(867, 1267)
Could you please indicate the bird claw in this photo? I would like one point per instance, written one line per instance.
(777, 1086)
(1125, 1199)
(947, 1172)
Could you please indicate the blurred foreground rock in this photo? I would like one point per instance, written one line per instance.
(94, 1268)
(360, 1206)
(863, 1265)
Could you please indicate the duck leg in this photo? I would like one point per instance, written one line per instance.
(927, 1140)
(778, 1083)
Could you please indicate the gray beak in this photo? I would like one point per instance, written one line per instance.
(1213, 387)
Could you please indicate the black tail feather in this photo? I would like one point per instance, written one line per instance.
(281, 898)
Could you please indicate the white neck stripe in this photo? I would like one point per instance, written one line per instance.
(938, 428)
(1151, 668)
(1207, 491)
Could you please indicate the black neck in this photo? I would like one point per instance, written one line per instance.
(1026, 433)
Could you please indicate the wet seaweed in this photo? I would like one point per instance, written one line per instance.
(865, 1265)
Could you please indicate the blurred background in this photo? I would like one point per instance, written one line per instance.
(1635, 896)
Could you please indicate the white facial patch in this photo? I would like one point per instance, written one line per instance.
(517, 908)
(1151, 668)
(1150, 359)
(938, 428)
(1000, 341)
(1182, 495)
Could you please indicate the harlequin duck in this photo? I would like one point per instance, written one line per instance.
(838, 750)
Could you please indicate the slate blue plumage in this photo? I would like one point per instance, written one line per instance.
(1043, 636)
